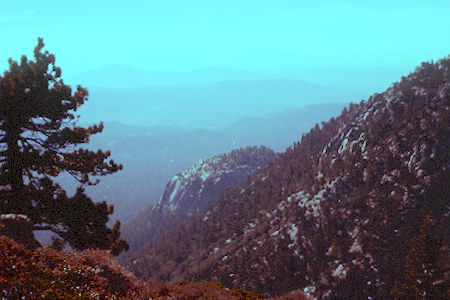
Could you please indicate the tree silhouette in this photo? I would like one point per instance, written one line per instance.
(39, 140)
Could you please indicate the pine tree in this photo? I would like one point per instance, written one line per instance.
(38, 141)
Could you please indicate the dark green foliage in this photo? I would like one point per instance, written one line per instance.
(38, 141)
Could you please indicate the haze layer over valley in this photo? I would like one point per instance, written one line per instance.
(216, 97)
(208, 76)
(158, 123)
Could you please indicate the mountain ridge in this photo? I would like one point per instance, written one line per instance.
(127, 76)
(207, 106)
(338, 213)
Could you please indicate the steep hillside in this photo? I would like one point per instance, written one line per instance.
(192, 191)
(358, 209)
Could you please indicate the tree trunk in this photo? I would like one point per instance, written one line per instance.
(14, 169)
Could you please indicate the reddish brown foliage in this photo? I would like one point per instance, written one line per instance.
(90, 274)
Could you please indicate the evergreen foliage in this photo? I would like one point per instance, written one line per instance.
(39, 140)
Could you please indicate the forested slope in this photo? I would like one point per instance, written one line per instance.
(357, 209)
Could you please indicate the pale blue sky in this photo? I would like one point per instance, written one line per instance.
(244, 34)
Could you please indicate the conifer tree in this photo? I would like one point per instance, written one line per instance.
(39, 140)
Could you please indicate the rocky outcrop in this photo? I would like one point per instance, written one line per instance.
(192, 191)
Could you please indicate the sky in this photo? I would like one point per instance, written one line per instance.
(242, 34)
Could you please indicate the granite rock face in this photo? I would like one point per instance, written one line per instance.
(192, 191)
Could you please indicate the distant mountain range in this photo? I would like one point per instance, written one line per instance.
(207, 105)
(358, 209)
(215, 97)
(126, 77)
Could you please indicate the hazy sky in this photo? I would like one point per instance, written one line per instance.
(183, 35)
